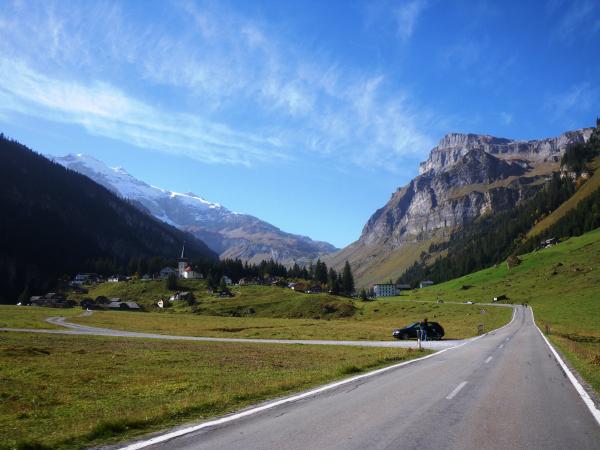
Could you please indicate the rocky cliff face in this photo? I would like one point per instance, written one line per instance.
(465, 176)
(454, 146)
(230, 234)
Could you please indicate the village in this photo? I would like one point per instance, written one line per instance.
(76, 293)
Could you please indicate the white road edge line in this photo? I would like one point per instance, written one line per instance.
(489, 358)
(576, 384)
(456, 390)
(327, 387)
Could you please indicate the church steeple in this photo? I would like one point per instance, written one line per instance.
(182, 262)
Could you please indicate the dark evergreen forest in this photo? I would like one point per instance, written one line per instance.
(56, 222)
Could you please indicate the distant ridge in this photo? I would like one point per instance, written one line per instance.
(230, 234)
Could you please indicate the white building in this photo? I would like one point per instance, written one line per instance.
(190, 274)
(385, 290)
(227, 280)
(425, 283)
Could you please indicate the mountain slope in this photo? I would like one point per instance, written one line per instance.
(465, 177)
(230, 234)
(56, 222)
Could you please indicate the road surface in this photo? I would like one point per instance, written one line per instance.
(502, 391)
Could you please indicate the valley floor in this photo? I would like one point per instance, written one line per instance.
(76, 391)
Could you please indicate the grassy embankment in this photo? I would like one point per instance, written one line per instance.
(66, 392)
(561, 283)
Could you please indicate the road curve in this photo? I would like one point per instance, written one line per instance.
(77, 329)
(502, 391)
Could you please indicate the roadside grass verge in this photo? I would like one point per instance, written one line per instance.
(583, 356)
(67, 392)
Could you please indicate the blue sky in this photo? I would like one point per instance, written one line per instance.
(307, 114)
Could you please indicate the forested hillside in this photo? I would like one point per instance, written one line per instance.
(56, 222)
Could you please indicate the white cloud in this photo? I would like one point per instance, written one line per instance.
(506, 118)
(104, 110)
(237, 91)
(580, 97)
(407, 16)
(577, 18)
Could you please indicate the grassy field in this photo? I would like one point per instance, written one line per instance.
(372, 321)
(266, 312)
(561, 283)
(66, 392)
(32, 316)
(275, 312)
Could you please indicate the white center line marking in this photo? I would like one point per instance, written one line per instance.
(489, 358)
(456, 390)
(501, 345)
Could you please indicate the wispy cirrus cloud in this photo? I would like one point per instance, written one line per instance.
(574, 19)
(233, 90)
(507, 118)
(580, 97)
(106, 111)
(407, 15)
(396, 18)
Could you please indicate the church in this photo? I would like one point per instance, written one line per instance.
(184, 269)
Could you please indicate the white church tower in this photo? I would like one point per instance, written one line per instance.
(182, 264)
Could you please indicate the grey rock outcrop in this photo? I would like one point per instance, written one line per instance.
(454, 146)
(465, 176)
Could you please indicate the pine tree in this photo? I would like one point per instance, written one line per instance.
(333, 282)
(223, 285)
(321, 272)
(347, 280)
(363, 295)
(25, 295)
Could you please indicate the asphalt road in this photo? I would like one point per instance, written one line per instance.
(77, 329)
(502, 391)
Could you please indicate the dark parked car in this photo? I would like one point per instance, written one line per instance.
(435, 331)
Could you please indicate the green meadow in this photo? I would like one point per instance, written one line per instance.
(67, 392)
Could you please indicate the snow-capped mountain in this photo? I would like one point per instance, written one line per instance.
(230, 234)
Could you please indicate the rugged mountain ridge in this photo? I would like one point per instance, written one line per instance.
(465, 176)
(453, 146)
(230, 234)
